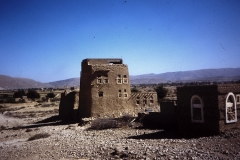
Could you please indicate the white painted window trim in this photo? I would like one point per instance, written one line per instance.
(234, 105)
(124, 80)
(197, 106)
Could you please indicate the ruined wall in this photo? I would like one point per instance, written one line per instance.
(105, 88)
(213, 98)
(69, 103)
(144, 102)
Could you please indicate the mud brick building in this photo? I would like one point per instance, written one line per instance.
(208, 109)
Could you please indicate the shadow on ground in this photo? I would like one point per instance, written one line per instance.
(168, 134)
(52, 121)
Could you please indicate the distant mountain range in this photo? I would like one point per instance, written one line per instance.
(7, 82)
(223, 74)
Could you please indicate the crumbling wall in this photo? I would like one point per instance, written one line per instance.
(68, 107)
(144, 102)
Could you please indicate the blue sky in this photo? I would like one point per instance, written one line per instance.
(46, 40)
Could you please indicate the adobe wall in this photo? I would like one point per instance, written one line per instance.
(223, 90)
(101, 94)
(144, 102)
(69, 104)
(213, 97)
(209, 96)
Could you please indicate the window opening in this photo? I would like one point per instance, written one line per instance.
(151, 99)
(138, 102)
(99, 80)
(197, 109)
(125, 95)
(125, 80)
(230, 110)
(105, 80)
(238, 98)
(100, 94)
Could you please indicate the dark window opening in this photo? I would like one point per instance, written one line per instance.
(100, 94)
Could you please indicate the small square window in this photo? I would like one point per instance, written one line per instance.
(125, 80)
(125, 90)
(119, 90)
(138, 102)
(100, 94)
(119, 95)
(125, 95)
(124, 76)
(151, 101)
(119, 81)
(105, 80)
(99, 80)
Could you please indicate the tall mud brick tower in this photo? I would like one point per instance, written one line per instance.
(104, 88)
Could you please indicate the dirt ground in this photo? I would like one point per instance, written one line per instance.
(34, 131)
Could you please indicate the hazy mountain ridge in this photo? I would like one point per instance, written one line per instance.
(66, 82)
(194, 75)
(7, 82)
(222, 74)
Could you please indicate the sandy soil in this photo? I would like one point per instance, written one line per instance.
(58, 140)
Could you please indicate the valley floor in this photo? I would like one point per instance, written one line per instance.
(71, 141)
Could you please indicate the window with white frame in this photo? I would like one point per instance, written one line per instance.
(99, 79)
(119, 79)
(197, 109)
(119, 93)
(230, 110)
(125, 79)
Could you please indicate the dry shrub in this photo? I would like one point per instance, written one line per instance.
(104, 123)
(39, 136)
(126, 118)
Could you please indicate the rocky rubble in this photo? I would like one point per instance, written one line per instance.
(78, 142)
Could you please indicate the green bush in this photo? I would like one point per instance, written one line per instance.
(134, 90)
(51, 95)
(161, 92)
(33, 94)
(19, 94)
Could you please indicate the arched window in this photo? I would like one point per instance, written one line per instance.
(230, 110)
(197, 109)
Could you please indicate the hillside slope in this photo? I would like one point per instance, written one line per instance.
(7, 82)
